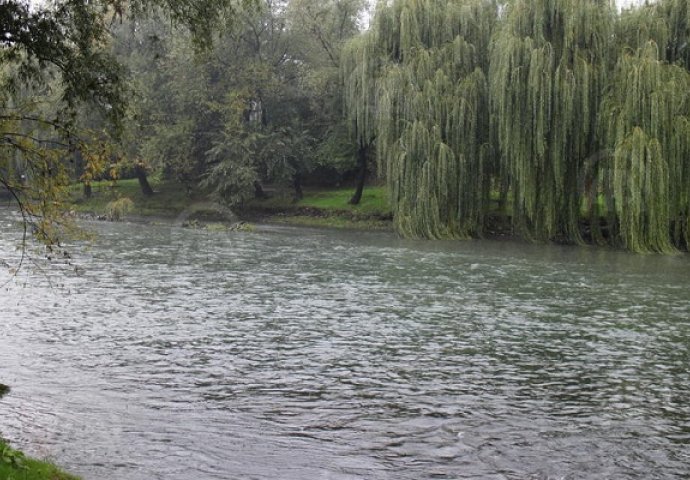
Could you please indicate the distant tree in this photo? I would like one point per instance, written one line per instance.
(323, 29)
(259, 107)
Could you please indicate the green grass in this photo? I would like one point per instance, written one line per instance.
(169, 200)
(374, 200)
(328, 208)
(331, 206)
(14, 466)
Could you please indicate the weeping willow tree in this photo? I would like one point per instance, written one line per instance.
(577, 114)
(361, 65)
(417, 83)
(645, 121)
(548, 67)
(648, 123)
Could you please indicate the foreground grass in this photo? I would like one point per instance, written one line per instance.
(14, 466)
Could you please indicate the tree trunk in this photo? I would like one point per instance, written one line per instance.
(504, 187)
(140, 172)
(259, 190)
(297, 184)
(88, 191)
(361, 174)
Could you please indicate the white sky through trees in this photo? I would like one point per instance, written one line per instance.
(372, 5)
(627, 3)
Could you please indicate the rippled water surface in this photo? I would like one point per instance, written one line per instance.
(304, 354)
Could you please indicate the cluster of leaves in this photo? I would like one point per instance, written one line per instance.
(117, 209)
(63, 41)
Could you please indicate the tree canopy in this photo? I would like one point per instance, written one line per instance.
(567, 119)
(264, 105)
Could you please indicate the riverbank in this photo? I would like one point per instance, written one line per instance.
(319, 207)
(15, 465)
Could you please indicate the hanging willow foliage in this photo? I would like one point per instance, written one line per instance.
(647, 127)
(666, 22)
(429, 61)
(361, 65)
(548, 66)
(580, 115)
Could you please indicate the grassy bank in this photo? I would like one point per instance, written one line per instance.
(326, 207)
(319, 207)
(169, 200)
(15, 466)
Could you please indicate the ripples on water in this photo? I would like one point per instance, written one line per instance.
(306, 354)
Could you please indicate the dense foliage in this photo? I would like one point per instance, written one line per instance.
(570, 116)
(263, 106)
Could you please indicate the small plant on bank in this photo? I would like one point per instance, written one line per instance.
(117, 209)
(11, 457)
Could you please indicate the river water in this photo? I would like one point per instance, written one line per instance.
(309, 354)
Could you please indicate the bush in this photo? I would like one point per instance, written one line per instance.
(117, 209)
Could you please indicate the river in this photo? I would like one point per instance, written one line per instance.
(302, 354)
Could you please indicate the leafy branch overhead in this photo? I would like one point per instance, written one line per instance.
(65, 42)
(57, 67)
